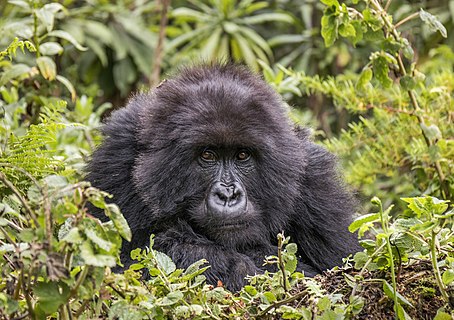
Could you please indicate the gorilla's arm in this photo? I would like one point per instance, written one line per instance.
(185, 247)
(323, 212)
(112, 164)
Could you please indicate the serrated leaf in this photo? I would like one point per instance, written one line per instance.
(47, 67)
(433, 22)
(329, 29)
(291, 248)
(347, 30)
(381, 71)
(194, 268)
(165, 263)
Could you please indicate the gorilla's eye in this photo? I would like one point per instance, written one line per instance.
(208, 155)
(243, 155)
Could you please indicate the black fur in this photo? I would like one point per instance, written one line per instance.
(150, 162)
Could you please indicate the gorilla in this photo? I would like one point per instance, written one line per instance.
(210, 164)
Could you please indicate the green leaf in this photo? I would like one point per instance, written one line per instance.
(358, 222)
(441, 315)
(330, 2)
(68, 86)
(68, 37)
(269, 297)
(73, 236)
(98, 260)
(211, 46)
(372, 20)
(194, 269)
(401, 313)
(448, 276)
(347, 30)
(432, 132)
(389, 291)
(165, 263)
(266, 17)
(407, 82)
(381, 71)
(51, 295)
(250, 290)
(96, 239)
(14, 72)
(433, 23)
(364, 78)
(291, 248)
(50, 48)
(119, 221)
(47, 67)
(171, 299)
(329, 28)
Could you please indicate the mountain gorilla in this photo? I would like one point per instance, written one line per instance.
(210, 163)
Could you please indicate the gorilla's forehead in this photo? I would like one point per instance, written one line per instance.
(213, 106)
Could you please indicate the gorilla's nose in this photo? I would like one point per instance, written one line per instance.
(226, 199)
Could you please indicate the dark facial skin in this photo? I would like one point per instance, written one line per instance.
(227, 204)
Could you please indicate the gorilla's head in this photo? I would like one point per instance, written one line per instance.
(216, 149)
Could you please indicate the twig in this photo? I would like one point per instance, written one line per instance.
(282, 302)
(404, 20)
(156, 72)
(441, 176)
(281, 262)
(19, 195)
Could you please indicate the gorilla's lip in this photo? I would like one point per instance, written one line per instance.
(232, 225)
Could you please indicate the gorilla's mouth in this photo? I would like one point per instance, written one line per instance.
(232, 225)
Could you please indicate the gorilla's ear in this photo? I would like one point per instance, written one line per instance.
(303, 133)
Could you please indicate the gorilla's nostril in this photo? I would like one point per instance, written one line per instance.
(226, 199)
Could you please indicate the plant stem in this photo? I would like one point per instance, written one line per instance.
(391, 28)
(281, 262)
(433, 255)
(404, 20)
(35, 29)
(156, 72)
(21, 198)
(384, 224)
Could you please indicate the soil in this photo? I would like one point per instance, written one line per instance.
(416, 283)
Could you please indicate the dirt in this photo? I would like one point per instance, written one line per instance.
(415, 282)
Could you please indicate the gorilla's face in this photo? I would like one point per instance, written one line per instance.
(233, 159)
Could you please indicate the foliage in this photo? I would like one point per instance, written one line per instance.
(223, 30)
(402, 142)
